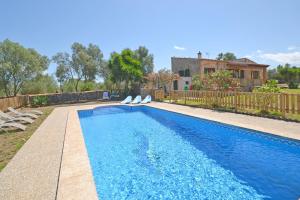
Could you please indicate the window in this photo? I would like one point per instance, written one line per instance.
(235, 73)
(209, 70)
(184, 73)
(255, 75)
(186, 82)
(242, 74)
(187, 73)
(181, 73)
(175, 85)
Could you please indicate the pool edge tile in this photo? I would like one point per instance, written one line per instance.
(76, 178)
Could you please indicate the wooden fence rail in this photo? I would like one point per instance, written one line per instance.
(277, 102)
(15, 102)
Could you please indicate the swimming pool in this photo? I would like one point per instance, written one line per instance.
(146, 153)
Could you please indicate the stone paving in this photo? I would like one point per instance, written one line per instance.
(54, 164)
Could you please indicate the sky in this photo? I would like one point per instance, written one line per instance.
(266, 31)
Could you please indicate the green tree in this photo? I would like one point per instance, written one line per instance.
(63, 70)
(146, 59)
(285, 73)
(226, 56)
(125, 68)
(17, 65)
(39, 85)
(85, 63)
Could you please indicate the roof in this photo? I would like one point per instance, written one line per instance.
(239, 61)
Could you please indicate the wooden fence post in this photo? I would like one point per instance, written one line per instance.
(235, 100)
(298, 103)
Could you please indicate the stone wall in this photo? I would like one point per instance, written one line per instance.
(61, 98)
(185, 63)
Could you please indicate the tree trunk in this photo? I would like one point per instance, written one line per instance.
(76, 85)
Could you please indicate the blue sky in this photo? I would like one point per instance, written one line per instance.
(267, 31)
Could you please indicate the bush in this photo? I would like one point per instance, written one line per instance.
(269, 86)
(39, 101)
(196, 83)
(87, 86)
(40, 85)
(220, 80)
(293, 85)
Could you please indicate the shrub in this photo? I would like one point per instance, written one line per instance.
(39, 101)
(87, 86)
(220, 80)
(293, 85)
(196, 83)
(269, 86)
(266, 98)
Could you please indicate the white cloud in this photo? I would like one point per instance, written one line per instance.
(179, 48)
(290, 57)
(259, 51)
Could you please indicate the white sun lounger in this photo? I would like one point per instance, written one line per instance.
(105, 95)
(4, 124)
(137, 100)
(147, 99)
(22, 114)
(37, 112)
(127, 100)
(10, 118)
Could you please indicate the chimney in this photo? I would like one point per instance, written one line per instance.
(199, 55)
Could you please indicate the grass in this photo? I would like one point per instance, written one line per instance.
(291, 91)
(12, 140)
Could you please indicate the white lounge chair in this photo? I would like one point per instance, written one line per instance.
(105, 96)
(22, 114)
(137, 100)
(10, 118)
(147, 99)
(37, 112)
(127, 100)
(4, 124)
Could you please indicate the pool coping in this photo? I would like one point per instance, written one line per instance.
(76, 177)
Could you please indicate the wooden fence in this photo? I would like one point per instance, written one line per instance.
(277, 102)
(15, 102)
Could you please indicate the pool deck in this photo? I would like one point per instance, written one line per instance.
(54, 164)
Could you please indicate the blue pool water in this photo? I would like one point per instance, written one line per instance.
(147, 153)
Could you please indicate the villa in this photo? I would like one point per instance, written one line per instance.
(249, 73)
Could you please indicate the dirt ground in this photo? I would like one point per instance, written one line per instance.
(12, 140)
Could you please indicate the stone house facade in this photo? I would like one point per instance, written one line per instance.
(249, 73)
